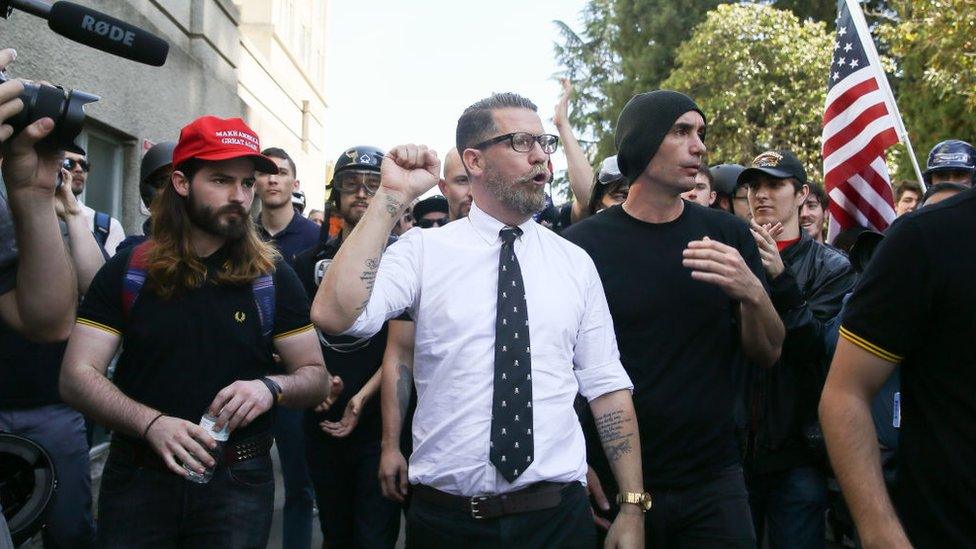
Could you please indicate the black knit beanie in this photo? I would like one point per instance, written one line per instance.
(642, 125)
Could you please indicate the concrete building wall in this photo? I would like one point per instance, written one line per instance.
(215, 66)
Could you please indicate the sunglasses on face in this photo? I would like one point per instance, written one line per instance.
(350, 182)
(428, 223)
(70, 163)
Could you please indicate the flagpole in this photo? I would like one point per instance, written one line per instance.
(857, 16)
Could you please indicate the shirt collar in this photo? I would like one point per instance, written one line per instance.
(487, 227)
(292, 226)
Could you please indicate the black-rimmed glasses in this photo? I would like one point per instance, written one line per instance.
(523, 141)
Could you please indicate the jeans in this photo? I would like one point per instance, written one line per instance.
(297, 515)
(791, 504)
(60, 430)
(352, 510)
(711, 513)
(145, 507)
(568, 525)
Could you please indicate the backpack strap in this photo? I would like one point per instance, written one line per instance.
(264, 299)
(135, 276)
(103, 224)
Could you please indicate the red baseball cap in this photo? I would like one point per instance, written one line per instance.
(212, 138)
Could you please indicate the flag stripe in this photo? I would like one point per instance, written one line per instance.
(863, 120)
(845, 100)
(863, 157)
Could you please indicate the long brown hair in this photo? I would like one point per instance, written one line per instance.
(174, 267)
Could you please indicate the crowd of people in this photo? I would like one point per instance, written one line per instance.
(674, 358)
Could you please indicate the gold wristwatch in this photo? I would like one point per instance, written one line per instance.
(642, 500)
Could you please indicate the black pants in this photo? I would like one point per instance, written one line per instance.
(352, 510)
(565, 526)
(714, 513)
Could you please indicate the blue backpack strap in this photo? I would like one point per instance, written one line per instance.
(135, 276)
(264, 299)
(103, 224)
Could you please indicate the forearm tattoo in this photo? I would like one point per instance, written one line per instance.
(403, 386)
(368, 277)
(393, 206)
(615, 441)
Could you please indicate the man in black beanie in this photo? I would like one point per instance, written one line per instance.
(688, 296)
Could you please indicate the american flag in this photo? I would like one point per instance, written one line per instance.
(860, 122)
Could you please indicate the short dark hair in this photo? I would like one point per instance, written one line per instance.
(818, 191)
(477, 123)
(189, 167)
(275, 152)
(703, 169)
(907, 185)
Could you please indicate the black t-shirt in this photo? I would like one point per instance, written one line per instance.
(678, 338)
(179, 353)
(354, 360)
(916, 304)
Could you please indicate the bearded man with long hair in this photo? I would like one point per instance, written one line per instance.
(203, 308)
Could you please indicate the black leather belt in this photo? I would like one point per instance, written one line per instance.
(536, 497)
(142, 455)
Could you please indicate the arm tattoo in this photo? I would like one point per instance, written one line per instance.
(393, 206)
(404, 385)
(369, 273)
(615, 442)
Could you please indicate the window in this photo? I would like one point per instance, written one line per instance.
(103, 189)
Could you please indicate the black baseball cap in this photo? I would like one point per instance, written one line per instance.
(777, 164)
(436, 203)
(725, 177)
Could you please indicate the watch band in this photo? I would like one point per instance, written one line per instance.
(276, 391)
(642, 500)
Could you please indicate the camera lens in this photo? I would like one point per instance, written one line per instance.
(65, 107)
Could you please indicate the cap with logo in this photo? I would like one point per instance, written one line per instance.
(951, 154)
(214, 139)
(776, 164)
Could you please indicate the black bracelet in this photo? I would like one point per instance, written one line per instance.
(276, 391)
(146, 431)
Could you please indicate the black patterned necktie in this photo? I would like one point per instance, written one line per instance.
(511, 409)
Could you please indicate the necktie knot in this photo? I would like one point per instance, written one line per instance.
(509, 234)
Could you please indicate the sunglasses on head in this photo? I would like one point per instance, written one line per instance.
(428, 223)
(70, 163)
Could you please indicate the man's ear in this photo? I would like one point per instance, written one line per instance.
(180, 183)
(298, 184)
(801, 197)
(474, 162)
(442, 185)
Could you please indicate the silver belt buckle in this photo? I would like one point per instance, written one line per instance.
(475, 511)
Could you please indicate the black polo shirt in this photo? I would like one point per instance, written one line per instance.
(179, 353)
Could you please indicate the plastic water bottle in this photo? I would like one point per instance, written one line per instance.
(221, 436)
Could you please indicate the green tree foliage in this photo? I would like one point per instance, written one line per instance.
(759, 74)
(934, 45)
(624, 47)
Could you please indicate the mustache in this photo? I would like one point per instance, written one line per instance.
(233, 208)
(540, 169)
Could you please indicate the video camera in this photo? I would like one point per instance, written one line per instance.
(87, 26)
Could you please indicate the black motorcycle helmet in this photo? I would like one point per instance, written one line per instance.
(363, 157)
(158, 157)
(27, 485)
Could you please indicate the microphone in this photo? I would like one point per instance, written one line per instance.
(106, 33)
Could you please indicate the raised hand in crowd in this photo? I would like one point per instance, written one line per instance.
(578, 168)
(87, 256)
(41, 307)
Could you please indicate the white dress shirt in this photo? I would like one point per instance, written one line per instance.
(447, 279)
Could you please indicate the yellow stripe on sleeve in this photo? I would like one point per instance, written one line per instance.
(869, 347)
(102, 327)
(296, 331)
